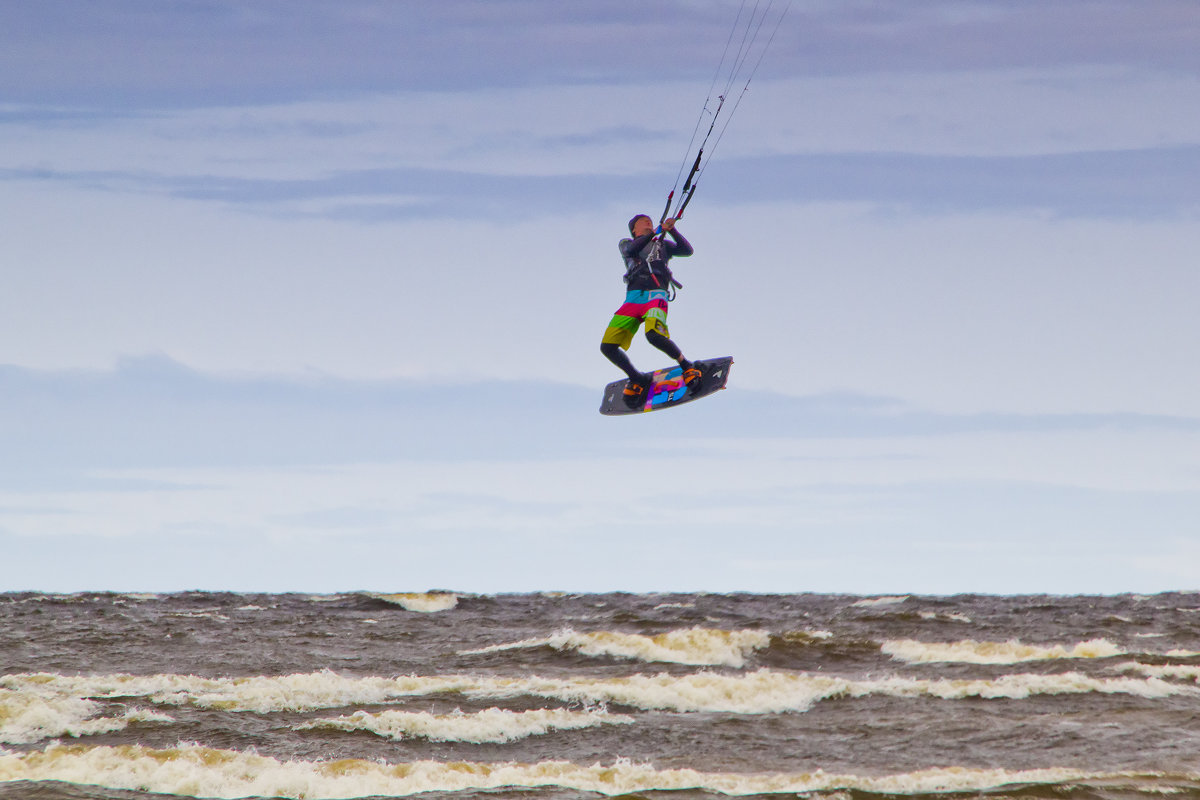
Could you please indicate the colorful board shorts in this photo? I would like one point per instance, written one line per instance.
(648, 306)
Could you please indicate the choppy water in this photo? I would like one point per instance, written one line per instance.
(554, 696)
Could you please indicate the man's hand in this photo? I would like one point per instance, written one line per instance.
(668, 224)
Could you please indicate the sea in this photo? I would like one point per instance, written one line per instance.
(557, 695)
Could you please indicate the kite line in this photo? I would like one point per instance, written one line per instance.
(727, 76)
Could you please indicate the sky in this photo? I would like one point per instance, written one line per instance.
(307, 296)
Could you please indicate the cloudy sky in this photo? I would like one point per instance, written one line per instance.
(308, 296)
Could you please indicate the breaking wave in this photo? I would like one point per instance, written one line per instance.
(1012, 652)
(493, 725)
(424, 603)
(1186, 672)
(207, 772)
(31, 717)
(875, 602)
(763, 691)
(691, 646)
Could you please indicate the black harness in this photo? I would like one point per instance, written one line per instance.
(639, 263)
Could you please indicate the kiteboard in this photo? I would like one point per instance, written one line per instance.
(667, 388)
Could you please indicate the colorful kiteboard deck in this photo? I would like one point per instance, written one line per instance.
(667, 388)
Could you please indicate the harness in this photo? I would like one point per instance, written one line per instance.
(636, 264)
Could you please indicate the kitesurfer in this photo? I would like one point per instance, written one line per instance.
(649, 287)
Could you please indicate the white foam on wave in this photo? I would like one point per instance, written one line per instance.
(1187, 672)
(493, 725)
(761, 692)
(210, 613)
(806, 637)
(141, 597)
(954, 617)
(31, 716)
(1011, 652)
(206, 772)
(872, 602)
(692, 646)
(1019, 687)
(421, 602)
(765, 691)
(296, 692)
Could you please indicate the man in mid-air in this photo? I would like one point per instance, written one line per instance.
(649, 287)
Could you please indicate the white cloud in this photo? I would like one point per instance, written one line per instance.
(626, 129)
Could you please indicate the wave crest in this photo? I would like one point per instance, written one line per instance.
(420, 602)
(1011, 652)
(26, 717)
(493, 725)
(763, 691)
(201, 771)
(691, 646)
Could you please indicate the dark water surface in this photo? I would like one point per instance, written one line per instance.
(548, 696)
